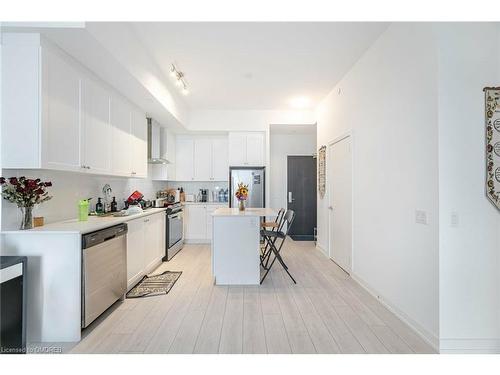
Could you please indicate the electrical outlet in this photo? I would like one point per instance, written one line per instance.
(421, 217)
(454, 220)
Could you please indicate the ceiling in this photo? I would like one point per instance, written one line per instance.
(241, 66)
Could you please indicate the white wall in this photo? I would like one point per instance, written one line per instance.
(389, 102)
(68, 188)
(283, 145)
(235, 120)
(469, 253)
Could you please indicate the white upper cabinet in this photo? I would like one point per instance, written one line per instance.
(220, 164)
(120, 137)
(203, 159)
(65, 118)
(139, 148)
(237, 149)
(96, 140)
(184, 159)
(246, 149)
(255, 149)
(61, 121)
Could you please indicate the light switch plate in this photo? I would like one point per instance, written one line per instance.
(454, 219)
(421, 217)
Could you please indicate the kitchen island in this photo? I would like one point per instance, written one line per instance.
(236, 245)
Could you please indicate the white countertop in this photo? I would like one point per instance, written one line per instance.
(205, 203)
(81, 227)
(226, 211)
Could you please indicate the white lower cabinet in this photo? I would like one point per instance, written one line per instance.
(198, 222)
(145, 246)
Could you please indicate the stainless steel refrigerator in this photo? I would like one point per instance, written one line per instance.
(254, 177)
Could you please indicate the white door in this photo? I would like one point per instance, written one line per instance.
(184, 159)
(203, 159)
(220, 166)
(237, 149)
(340, 199)
(61, 109)
(255, 149)
(120, 134)
(96, 128)
(139, 133)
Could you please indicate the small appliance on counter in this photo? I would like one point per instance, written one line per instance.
(160, 202)
(203, 195)
(136, 196)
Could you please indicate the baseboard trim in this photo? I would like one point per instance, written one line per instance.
(205, 241)
(320, 248)
(470, 346)
(427, 336)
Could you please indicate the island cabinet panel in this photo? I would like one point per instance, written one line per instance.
(235, 250)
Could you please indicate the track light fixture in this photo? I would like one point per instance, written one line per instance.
(180, 81)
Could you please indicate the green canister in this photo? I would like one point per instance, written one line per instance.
(83, 210)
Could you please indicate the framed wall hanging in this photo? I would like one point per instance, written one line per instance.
(322, 171)
(492, 117)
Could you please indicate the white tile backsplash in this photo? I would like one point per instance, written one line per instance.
(68, 188)
(193, 187)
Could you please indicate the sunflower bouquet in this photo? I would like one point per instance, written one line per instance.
(242, 195)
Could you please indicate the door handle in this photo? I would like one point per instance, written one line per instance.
(290, 199)
(330, 208)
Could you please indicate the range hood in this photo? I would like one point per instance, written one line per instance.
(154, 144)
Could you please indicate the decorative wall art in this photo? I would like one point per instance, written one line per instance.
(321, 171)
(492, 112)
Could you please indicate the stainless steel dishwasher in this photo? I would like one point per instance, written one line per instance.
(104, 270)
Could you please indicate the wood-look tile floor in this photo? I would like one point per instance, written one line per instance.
(326, 312)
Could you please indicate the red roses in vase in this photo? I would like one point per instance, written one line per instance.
(25, 193)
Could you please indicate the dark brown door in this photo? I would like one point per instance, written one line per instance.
(301, 196)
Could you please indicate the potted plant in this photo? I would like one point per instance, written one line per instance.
(25, 193)
(242, 195)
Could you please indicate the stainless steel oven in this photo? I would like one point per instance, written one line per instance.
(174, 231)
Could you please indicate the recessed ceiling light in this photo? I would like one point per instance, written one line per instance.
(300, 102)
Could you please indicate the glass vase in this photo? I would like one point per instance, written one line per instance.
(27, 221)
(242, 205)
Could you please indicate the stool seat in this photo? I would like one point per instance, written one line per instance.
(269, 224)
